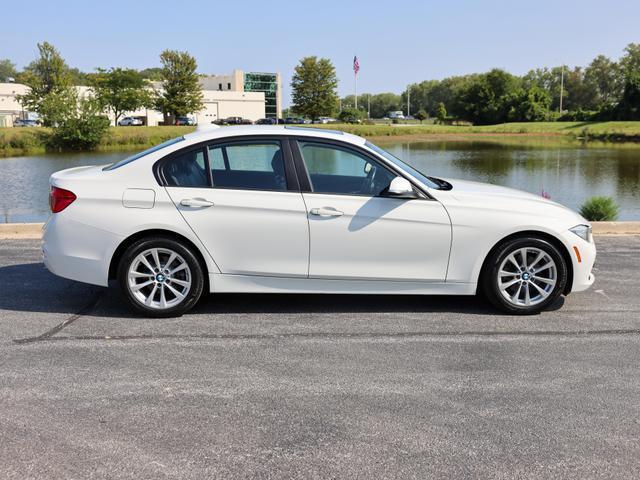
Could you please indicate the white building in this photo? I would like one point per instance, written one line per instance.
(217, 105)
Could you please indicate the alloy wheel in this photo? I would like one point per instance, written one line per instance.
(527, 276)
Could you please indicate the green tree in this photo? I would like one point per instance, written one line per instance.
(442, 112)
(488, 98)
(421, 115)
(181, 93)
(81, 126)
(629, 106)
(314, 86)
(351, 115)
(120, 90)
(49, 83)
(605, 76)
(7, 70)
(153, 73)
(630, 61)
(529, 105)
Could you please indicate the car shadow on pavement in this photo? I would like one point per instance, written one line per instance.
(31, 288)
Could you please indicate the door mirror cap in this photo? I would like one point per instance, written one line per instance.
(401, 188)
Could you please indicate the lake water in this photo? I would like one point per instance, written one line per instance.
(568, 173)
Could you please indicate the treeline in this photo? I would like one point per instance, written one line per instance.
(604, 90)
(78, 119)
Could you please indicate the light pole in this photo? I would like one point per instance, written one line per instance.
(561, 86)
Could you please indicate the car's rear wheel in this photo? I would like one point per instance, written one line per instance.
(524, 275)
(160, 277)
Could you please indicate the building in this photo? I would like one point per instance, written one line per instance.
(239, 81)
(218, 104)
(10, 108)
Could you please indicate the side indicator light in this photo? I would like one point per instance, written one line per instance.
(575, 249)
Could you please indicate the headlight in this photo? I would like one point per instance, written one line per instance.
(583, 231)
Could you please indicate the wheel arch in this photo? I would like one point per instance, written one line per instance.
(122, 247)
(555, 241)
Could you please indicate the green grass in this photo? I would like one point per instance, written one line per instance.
(23, 141)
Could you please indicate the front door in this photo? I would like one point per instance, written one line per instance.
(249, 220)
(356, 232)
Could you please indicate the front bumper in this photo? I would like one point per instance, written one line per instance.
(583, 257)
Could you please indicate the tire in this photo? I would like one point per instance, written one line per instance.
(168, 291)
(517, 290)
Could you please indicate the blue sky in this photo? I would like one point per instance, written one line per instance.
(397, 42)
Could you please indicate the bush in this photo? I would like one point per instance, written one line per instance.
(350, 115)
(82, 129)
(600, 209)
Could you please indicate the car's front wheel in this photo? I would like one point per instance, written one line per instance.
(524, 275)
(160, 277)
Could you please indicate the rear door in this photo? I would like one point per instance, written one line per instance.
(242, 200)
(356, 232)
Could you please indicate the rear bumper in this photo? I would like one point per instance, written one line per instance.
(78, 251)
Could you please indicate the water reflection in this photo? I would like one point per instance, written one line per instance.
(570, 173)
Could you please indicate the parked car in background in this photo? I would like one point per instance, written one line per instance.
(25, 123)
(303, 210)
(397, 115)
(237, 121)
(267, 121)
(185, 121)
(294, 121)
(325, 120)
(130, 122)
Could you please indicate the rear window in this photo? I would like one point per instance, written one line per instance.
(119, 164)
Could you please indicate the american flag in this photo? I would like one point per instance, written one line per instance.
(356, 65)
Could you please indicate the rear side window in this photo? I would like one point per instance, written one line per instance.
(186, 170)
(248, 166)
(142, 154)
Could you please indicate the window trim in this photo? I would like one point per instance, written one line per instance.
(305, 180)
(291, 176)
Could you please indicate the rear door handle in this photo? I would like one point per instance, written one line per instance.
(326, 212)
(195, 202)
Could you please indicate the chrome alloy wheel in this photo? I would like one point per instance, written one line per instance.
(159, 278)
(527, 276)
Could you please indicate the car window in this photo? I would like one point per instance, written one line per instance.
(341, 171)
(135, 157)
(186, 170)
(248, 166)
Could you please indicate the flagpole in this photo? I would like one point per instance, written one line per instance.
(355, 79)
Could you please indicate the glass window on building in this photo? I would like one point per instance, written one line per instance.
(267, 83)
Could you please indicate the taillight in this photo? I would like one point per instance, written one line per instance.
(59, 199)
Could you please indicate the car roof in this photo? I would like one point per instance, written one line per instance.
(212, 132)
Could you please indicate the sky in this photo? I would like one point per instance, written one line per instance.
(397, 42)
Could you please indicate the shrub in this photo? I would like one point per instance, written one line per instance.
(350, 115)
(599, 209)
(82, 129)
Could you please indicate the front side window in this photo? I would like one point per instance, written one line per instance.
(248, 166)
(186, 170)
(341, 171)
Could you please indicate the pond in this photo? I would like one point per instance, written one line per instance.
(569, 173)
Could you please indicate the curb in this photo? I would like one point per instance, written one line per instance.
(25, 231)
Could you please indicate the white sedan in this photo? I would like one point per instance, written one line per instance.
(130, 122)
(302, 210)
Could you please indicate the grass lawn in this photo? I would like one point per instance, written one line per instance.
(21, 141)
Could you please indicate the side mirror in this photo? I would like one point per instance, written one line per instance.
(401, 188)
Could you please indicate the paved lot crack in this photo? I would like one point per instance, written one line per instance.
(59, 327)
(340, 335)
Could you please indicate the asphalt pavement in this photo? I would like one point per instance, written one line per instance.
(313, 386)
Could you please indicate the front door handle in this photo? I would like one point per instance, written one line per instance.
(195, 202)
(326, 212)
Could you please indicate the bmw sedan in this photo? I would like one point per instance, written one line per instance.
(302, 210)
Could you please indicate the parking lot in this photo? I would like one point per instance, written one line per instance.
(312, 386)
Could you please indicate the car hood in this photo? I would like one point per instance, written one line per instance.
(495, 197)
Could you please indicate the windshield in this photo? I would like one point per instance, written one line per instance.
(119, 164)
(404, 166)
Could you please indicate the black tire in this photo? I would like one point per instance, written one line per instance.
(194, 274)
(490, 276)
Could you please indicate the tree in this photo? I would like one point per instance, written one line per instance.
(629, 106)
(442, 112)
(630, 61)
(314, 86)
(49, 81)
(350, 115)
(153, 73)
(383, 103)
(120, 90)
(605, 76)
(7, 70)
(529, 105)
(421, 115)
(81, 126)
(487, 99)
(181, 93)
